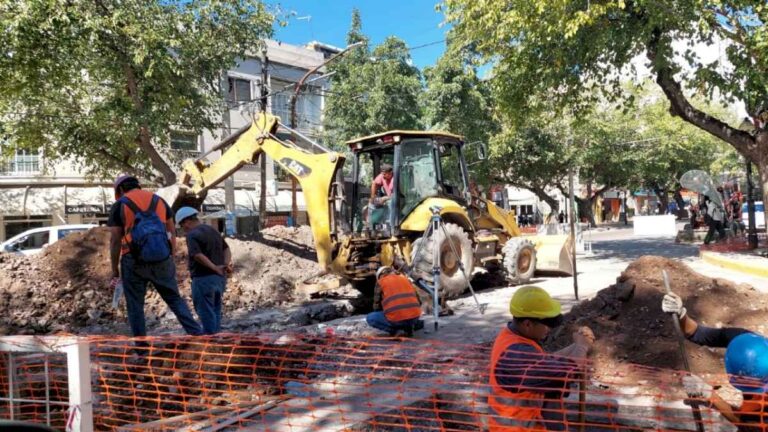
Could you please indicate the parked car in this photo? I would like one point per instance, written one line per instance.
(35, 240)
(759, 215)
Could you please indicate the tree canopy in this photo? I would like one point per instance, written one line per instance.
(372, 90)
(580, 52)
(104, 82)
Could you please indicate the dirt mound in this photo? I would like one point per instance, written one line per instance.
(67, 286)
(631, 328)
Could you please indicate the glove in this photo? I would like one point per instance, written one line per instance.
(672, 303)
(696, 387)
(584, 336)
(113, 282)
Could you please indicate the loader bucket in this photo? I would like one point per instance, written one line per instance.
(553, 254)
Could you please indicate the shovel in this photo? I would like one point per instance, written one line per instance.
(681, 344)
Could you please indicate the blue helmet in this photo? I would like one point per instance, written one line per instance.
(184, 213)
(746, 361)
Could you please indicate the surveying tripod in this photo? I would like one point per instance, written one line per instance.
(436, 226)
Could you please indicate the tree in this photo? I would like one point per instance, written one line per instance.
(578, 52)
(457, 100)
(372, 91)
(104, 81)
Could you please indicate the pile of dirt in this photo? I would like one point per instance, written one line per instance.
(67, 286)
(631, 327)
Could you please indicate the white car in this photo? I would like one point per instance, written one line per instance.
(35, 240)
(759, 215)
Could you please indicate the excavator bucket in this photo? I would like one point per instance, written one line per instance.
(554, 254)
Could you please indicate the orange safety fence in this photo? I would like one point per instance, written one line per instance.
(306, 382)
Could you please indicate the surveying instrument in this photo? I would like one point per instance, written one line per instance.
(436, 226)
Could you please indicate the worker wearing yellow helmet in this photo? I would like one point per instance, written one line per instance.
(528, 385)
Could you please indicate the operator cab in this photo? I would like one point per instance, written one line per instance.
(425, 164)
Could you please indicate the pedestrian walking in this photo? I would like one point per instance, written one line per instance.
(142, 245)
(210, 260)
(716, 223)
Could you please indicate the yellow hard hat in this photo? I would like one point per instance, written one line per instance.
(533, 302)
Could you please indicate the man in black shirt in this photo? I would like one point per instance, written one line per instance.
(746, 362)
(209, 262)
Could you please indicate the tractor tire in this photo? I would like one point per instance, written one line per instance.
(519, 260)
(452, 281)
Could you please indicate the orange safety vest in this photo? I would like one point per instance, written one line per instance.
(398, 298)
(142, 199)
(513, 412)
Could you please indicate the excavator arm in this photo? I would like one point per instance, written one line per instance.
(315, 173)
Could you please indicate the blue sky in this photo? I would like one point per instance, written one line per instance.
(414, 21)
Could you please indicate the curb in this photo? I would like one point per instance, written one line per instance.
(720, 260)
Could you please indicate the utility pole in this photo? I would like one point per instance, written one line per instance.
(263, 157)
(752, 229)
(294, 121)
(572, 220)
(230, 222)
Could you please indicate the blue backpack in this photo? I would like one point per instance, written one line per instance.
(149, 237)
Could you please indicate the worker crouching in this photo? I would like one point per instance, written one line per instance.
(528, 385)
(395, 303)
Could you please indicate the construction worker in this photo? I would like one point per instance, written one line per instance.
(746, 362)
(142, 245)
(396, 306)
(527, 384)
(210, 260)
(381, 192)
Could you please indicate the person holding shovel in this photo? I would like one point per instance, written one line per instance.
(528, 385)
(746, 362)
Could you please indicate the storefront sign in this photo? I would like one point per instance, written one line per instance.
(212, 208)
(84, 209)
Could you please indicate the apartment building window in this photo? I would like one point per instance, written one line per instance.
(22, 162)
(184, 141)
(239, 90)
(308, 105)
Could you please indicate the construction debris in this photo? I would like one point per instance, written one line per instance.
(631, 327)
(66, 288)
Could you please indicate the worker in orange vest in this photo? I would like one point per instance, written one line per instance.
(396, 306)
(528, 385)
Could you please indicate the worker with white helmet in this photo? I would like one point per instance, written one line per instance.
(746, 362)
(396, 306)
(528, 385)
(210, 260)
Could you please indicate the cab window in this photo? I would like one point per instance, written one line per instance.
(450, 170)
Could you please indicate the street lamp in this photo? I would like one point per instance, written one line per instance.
(294, 122)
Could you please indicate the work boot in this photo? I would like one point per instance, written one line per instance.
(418, 325)
(409, 332)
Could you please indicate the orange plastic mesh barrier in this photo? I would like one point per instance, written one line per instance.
(301, 382)
(735, 244)
(37, 390)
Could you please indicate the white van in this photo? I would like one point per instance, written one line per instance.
(759, 215)
(35, 240)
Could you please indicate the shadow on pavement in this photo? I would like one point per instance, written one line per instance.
(634, 248)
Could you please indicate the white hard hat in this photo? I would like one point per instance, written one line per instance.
(381, 271)
(184, 213)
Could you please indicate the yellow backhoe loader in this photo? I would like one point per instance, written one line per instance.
(355, 233)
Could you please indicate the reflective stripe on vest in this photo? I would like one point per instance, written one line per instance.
(142, 199)
(512, 412)
(398, 298)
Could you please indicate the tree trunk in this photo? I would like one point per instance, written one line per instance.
(762, 169)
(663, 198)
(544, 196)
